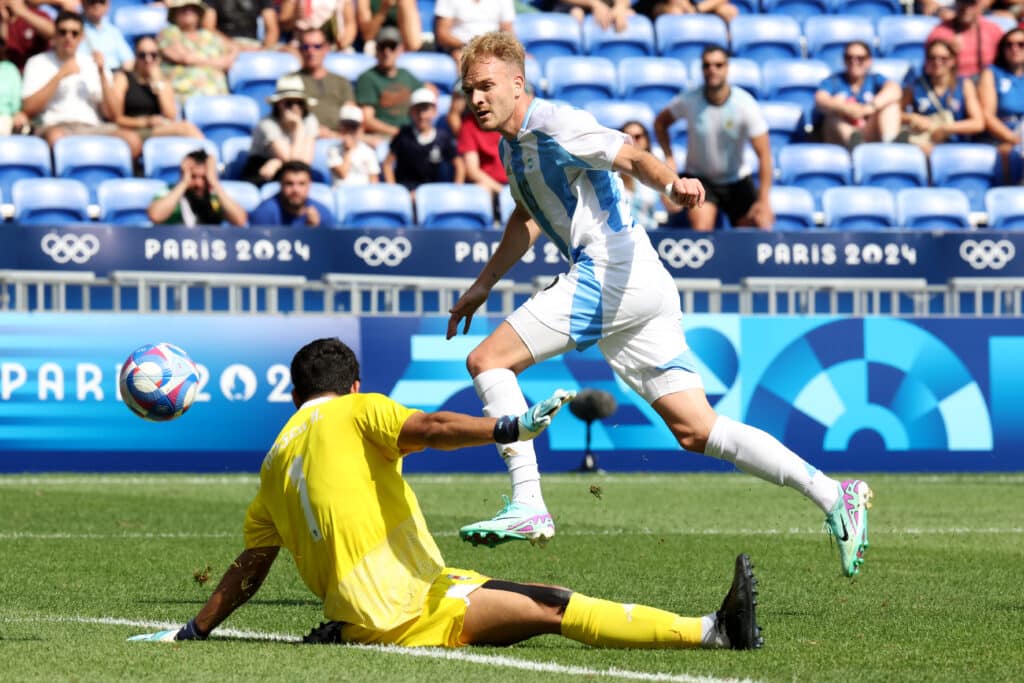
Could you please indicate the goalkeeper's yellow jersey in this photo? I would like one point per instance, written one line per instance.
(331, 492)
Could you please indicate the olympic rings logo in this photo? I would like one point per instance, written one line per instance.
(70, 247)
(376, 251)
(984, 254)
(686, 253)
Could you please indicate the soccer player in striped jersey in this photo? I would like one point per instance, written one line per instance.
(332, 493)
(563, 169)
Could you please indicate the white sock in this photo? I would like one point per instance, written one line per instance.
(759, 453)
(710, 636)
(499, 391)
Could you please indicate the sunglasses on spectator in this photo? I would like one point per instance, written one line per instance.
(73, 32)
(1015, 43)
(713, 65)
(941, 59)
(858, 59)
(95, 2)
(388, 46)
(309, 47)
(148, 55)
(292, 103)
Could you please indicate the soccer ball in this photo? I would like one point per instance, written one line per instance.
(159, 382)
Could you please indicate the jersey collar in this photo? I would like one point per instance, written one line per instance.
(316, 401)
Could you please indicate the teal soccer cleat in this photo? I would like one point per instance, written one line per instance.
(848, 523)
(514, 522)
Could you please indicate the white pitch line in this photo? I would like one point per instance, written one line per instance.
(501, 661)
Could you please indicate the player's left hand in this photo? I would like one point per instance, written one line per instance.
(539, 416)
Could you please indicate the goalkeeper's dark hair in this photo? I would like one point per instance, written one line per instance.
(324, 366)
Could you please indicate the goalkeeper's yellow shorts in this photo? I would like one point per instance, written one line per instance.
(440, 624)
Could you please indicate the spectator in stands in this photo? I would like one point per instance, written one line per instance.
(402, 15)
(101, 35)
(1011, 9)
(330, 90)
(655, 8)
(1001, 95)
(292, 207)
(722, 119)
(456, 21)
(71, 94)
(478, 150)
(144, 100)
(421, 152)
(12, 118)
(973, 37)
(198, 197)
(288, 134)
(383, 91)
(195, 59)
(336, 18)
(938, 105)
(237, 20)
(858, 105)
(605, 12)
(26, 31)
(645, 202)
(352, 161)
(943, 9)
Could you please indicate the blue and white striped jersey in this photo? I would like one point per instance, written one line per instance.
(560, 170)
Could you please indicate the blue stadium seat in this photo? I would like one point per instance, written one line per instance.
(534, 75)
(123, 201)
(684, 36)
(793, 208)
(140, 20)
(615, 113)
(42, 201)
(350, 65)
(892, 165)
(321, 171)
(636, 41)
(745, 73)
(1005, 208)
(431, 67)
(447, 205)
(321, 192)
(794, 80)
(220, 117)
(507, 204)
(814, 167)
(255, 74)
(762, 37)
(23, 156)
(549, 34)
(234, 152)
(161, 157)
(426, 9)
(858, 208)
(873, 9)
(373, 206)
(970, 167)
(827, 37)
(903, 36)
(678, 134)
(798, 9)
(577, 80)
(654, 80)
(893, 68)
(92, 159)
(246, 194)
(747, 6)
(932, 208)
(785, 122)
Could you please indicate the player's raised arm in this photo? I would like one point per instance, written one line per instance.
(652, 172)
(520, 234)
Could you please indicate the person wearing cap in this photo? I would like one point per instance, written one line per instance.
(196, 60)
(374, 16)
(329, 89)
(288, 134)
(383, 91)
(101, 35)
(421, 152)
(292, 206)
(352, 161)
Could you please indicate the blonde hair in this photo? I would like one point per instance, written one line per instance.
(501, 45)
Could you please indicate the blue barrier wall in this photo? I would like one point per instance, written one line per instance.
(847, 393)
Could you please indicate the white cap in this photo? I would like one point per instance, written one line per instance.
(422, 96)
(351, 112)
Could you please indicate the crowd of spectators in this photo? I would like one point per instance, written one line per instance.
(66, 72)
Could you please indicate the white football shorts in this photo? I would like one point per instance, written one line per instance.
(629, 307)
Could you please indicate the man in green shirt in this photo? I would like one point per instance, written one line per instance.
(384, 91)
(198, 198)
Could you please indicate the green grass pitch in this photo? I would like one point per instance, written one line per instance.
(88, 560)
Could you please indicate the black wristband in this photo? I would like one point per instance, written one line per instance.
(506, 429)
(191, 632)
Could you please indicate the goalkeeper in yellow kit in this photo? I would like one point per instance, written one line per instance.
(332, 493)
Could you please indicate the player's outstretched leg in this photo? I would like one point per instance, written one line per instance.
(737, 617)
(848, 523)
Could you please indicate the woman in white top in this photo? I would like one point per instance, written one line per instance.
(288, 134)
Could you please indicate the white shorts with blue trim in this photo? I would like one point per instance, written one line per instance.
(629, 307)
